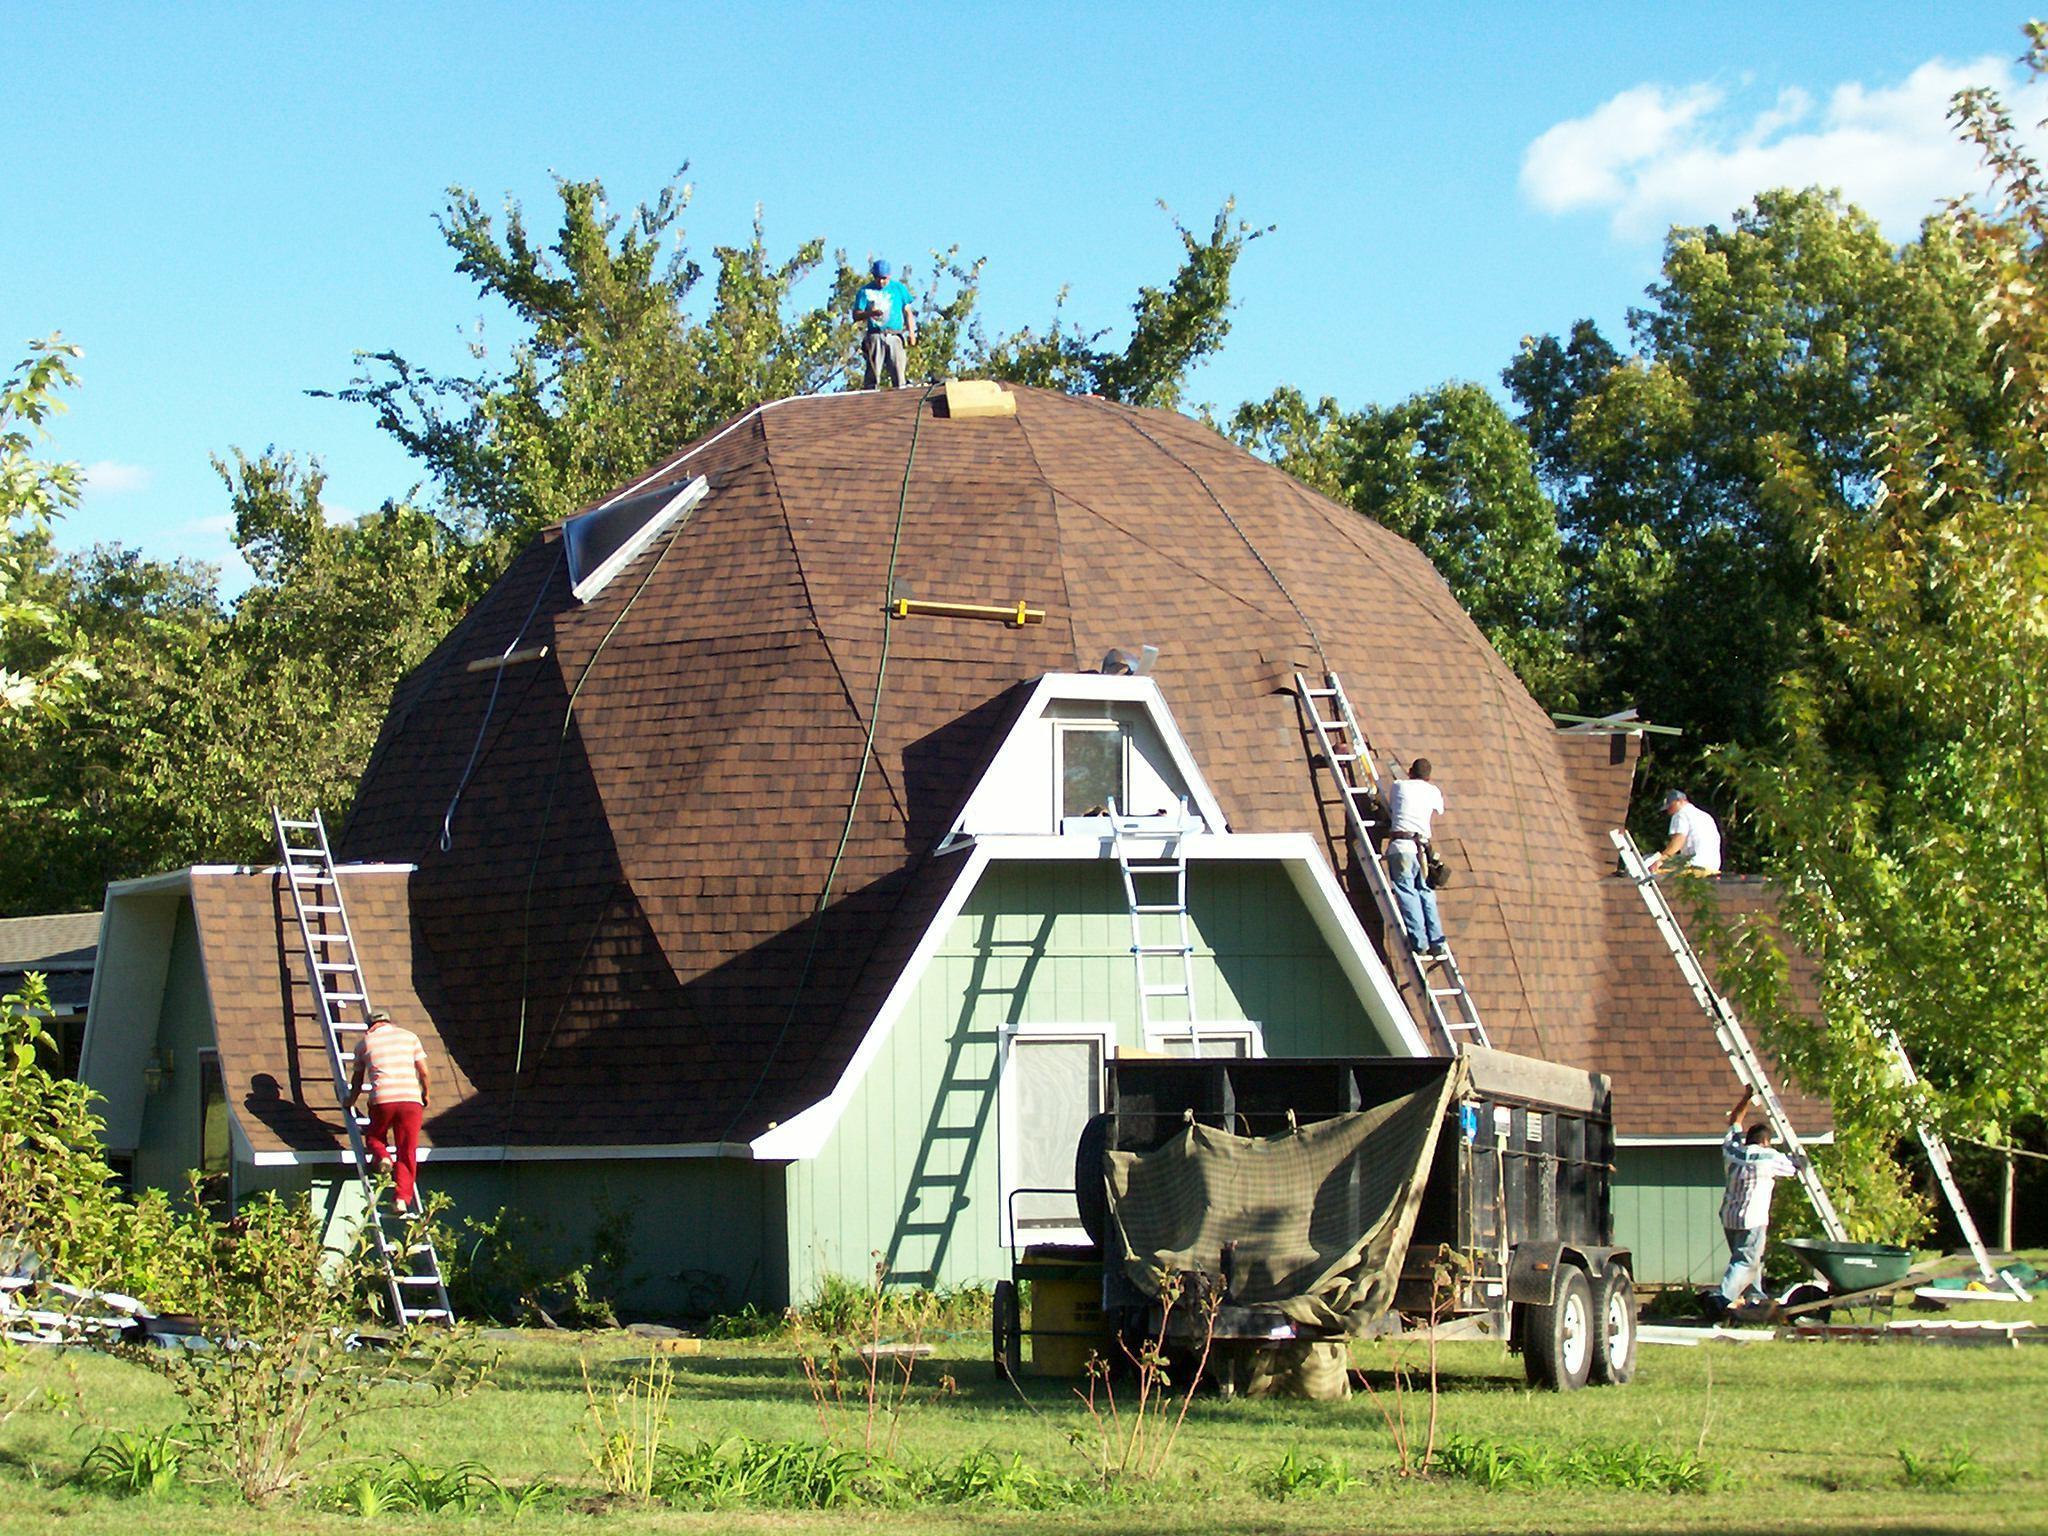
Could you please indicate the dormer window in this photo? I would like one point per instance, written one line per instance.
(1094, 766)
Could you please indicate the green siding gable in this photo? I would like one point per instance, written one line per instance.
(1667, 1211)
(908, 1179)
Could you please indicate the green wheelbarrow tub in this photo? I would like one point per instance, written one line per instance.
(1853, 1266)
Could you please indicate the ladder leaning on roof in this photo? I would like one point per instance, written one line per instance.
(405, 1249)
(1447, 1003)
(1155, 875)
(1742, 1056)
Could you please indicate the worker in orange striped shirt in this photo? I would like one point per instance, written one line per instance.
(395, 1063)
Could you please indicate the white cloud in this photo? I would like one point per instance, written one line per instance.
(1655, 155)
(110, 477)
(214, 527)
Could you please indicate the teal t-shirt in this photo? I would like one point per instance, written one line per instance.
(892, 298)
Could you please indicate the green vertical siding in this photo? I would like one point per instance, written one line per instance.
(169, 1143)
(908, 1179)
(701, 1234)
(1667, 1209)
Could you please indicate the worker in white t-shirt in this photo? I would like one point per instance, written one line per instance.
(1695, 838)
(1414, 805)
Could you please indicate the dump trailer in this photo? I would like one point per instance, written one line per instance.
(1260, 1212)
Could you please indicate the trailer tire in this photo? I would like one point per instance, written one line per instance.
(1557, 1340)
(1614, 1335)
(1006, 1325)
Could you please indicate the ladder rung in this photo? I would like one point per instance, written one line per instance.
(422, 1314)
(298, 826)
(350, 1025)
(1155, 911)
(1322, 693)
(327, 938)
(319, 909)
(1162, 949)
(1165, 991)
(336, 965)
(418, 1279)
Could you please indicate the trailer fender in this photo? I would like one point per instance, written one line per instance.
(1533, 1267)
(1532, 1273)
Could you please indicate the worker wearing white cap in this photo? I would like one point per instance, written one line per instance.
(1695, 838)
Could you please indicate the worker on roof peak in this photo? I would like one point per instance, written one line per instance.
(1413, 807)
(396, 1064)
(1695, 838)
(884, 305)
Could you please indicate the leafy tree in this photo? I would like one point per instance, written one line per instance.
(199, 717)
(1448, 470)
(612, 370)
(41, 663)
(1907, 800)
(1776, 339)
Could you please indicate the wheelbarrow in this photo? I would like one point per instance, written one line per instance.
(1850, 1273)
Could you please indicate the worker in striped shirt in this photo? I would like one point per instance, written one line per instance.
(1754, 1168)
(395, 1063)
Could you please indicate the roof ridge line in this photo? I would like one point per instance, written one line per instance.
(1059, 538)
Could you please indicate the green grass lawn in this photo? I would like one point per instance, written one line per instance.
(1807, 1433)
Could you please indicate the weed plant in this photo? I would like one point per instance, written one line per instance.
(1498, 1464)
(1953, 1466)
(405, 1486)
(131, 1464)
(1297, 1476)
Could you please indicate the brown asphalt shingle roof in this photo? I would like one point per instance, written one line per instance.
(619, 943)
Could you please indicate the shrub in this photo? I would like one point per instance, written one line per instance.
(509, 1267)
(278, 1371)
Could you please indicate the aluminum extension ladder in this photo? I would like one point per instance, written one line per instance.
(1936, 1147)
(405, 1248)
(1155, 874)
(1448, 1006)
(1728, 1031)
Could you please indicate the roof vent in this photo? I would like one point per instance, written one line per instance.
(604, 540)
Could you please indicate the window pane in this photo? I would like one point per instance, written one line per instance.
(1091, 771)
(1056, 1087)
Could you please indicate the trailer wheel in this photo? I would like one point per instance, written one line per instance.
(1614, 1340)
(1007, 1327)
(1557, 1340)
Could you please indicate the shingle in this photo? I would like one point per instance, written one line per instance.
(624, 941)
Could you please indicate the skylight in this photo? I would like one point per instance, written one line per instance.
(603, 541)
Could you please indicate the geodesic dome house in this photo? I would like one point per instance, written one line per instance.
(743, 855)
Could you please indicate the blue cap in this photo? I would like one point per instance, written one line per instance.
(1673, 798)
(881, 269)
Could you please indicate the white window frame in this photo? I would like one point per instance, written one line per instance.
(1008, 1153)
(1252, 1033)
(1060, 728)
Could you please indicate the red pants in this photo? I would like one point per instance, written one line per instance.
(393, 1135)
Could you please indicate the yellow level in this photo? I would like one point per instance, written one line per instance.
(1015, 615)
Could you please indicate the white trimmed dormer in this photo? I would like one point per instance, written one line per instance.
(1081, 741)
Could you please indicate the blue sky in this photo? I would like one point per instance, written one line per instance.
(222, 204)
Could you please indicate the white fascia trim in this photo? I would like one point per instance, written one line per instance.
(692, 492)
(1824, 1138)
(564, 1154)
(803, 1134)
(1093, 688)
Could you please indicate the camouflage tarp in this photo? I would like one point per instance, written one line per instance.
(1320, 1217)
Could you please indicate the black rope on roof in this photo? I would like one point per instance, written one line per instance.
(860, 778)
